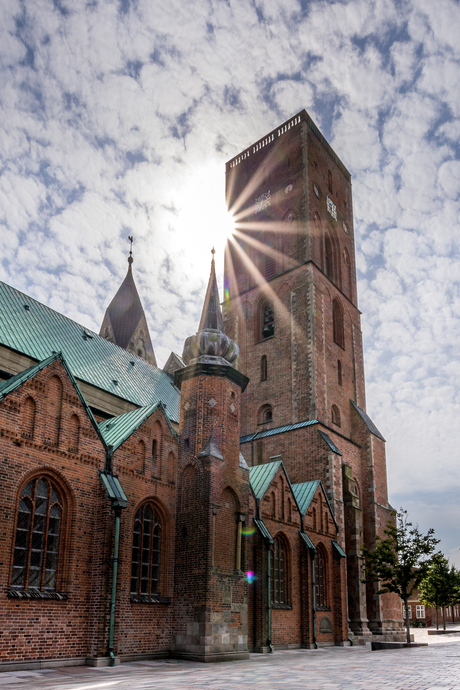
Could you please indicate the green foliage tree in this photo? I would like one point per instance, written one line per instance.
(439, 587)
(400, 561)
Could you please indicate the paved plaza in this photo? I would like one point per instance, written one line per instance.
(436, 667)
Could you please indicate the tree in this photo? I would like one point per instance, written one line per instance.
(401, 561)
(439, 587)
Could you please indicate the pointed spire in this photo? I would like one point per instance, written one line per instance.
(124, 321)
(210, 344)
(211, 317)
(210, 448)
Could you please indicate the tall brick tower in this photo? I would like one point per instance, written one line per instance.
(291, 306)
(213, 498)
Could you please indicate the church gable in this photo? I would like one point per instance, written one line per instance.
(44, 406)
(315, 508)
(273, 491)
(143, 443)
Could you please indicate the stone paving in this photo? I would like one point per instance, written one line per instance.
(436, 667)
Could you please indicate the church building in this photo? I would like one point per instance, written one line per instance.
(217, 506)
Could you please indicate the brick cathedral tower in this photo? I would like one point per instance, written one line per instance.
(212, 504)
(291, 306)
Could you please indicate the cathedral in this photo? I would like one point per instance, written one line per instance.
(217, 506)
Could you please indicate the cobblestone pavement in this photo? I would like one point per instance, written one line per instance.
(436, 667)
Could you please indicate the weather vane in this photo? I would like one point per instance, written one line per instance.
(130, 258)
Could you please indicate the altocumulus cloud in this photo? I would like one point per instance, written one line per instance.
(117, 118)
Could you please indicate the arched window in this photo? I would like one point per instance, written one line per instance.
(146, 554)
(339, 372)
(263, 368)
(187, 489)
(329, 258)
(156, 448)
(337, 324)
(279, 572)
(74, 434)
(267, 321)
(171, 468)
(226, 532)
(329, 181)
(320, 578)
(273, 505)
(289, 510)
(335, 415)
(54, 402)
(281, 498)
(313, 518)
(38, 527)
(265, 414)
(140, 457)
(347, 279)
(28, 418)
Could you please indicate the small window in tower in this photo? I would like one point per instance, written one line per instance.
(263, 368)
(335, 415)
(268, 325)
(329, 180)
(337, 324)
(265, 414)
(339, 372)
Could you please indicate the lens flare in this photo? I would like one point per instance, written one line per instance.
(248, 531)
(250, 577)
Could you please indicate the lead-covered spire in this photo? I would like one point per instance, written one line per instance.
(210, 344)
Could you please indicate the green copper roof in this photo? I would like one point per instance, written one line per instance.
(330, 443)
(261, 476)
(33, 329)
(277, 430)
(304, 494)
(113, 489)
(116, 430)
(263, 530)
(339, 549)
(308, 542)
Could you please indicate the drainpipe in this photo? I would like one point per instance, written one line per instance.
(313, 597)
(119, 501)
(269, 641)
(114, 584)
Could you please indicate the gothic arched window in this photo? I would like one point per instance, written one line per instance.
(279, 571)
(335, 415)
(38, 528)
(267, 321)
(337, 324)
(329, 258)
(145, 561)
(320, 578)
(74, 435)
(28, 418)
(339, 372)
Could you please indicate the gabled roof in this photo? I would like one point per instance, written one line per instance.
(15, 382)
(37, 331)
(116, 430)
(304, 494)
(367, 421)
(261, 476)
(277, 430)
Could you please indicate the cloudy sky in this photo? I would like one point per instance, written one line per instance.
(117, 118)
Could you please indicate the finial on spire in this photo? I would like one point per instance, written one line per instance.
(213, 251)
(130, 257)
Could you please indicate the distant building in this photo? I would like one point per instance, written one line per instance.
(230, 492)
